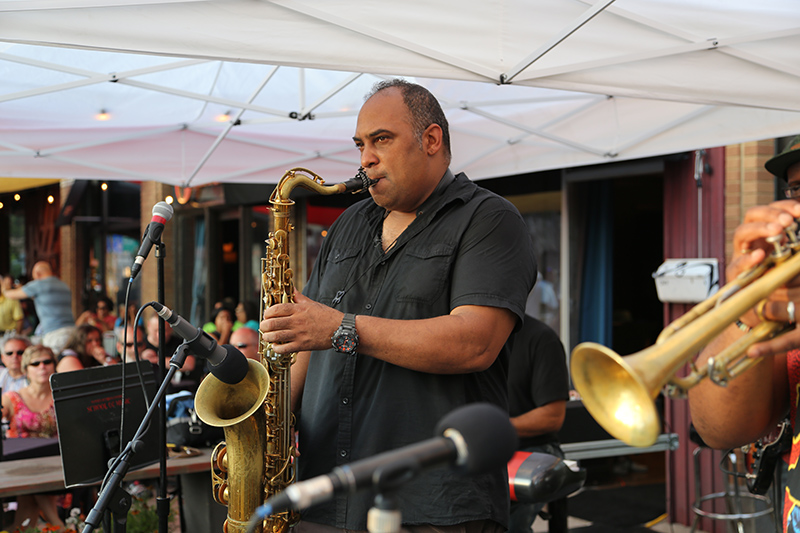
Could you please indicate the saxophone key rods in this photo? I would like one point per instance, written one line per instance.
(620, 392)
(255, 461)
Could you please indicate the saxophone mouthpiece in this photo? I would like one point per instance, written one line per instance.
(359, 183)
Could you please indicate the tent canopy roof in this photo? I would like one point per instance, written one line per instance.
(526, 85)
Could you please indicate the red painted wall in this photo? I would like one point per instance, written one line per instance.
(681, 241)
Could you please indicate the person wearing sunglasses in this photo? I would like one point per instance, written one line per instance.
(11, 376)
(245, 339)
(133, 341)
(31, 413)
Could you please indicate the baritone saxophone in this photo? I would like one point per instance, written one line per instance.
(255, 461)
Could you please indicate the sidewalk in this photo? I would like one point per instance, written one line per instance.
(573, 523)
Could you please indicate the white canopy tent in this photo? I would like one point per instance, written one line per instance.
(526, 85)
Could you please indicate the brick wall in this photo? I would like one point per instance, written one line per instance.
(747, 183)
(69, 272)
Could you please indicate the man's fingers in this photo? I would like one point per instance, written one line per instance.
(787, 341)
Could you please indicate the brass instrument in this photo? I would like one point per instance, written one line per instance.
(255, 461)
(619, 392)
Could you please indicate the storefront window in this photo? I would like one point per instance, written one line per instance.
(16, 245)
(544, 301)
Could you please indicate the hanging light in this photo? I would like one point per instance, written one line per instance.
(102, 115)
(50, 199)
(169, 199)
(104, 186)
(1, 205)
(223, 117)
(17, 197)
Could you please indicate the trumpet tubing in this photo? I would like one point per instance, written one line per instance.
(619, 392)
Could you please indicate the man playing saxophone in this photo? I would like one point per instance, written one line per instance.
(753, 403)
(404, 318)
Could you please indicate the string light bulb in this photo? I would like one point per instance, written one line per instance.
(103, 115)
(104, 186)
(1, 205)
(17, 197)
(169, 199)
(223, 117)
(50, 199)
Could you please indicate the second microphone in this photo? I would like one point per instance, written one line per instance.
(225, 362)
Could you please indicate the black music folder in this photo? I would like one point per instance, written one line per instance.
(87, 404)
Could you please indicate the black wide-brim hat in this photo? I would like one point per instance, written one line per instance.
(779, 164)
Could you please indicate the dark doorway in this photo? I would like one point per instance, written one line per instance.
(230, 254)
(638, 251)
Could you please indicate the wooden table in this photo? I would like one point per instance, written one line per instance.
(42, 474)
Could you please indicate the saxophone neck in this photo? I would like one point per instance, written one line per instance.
(302, 177)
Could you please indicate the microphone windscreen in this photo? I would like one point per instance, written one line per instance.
(163, 210)
(490, 438)
(233, 369)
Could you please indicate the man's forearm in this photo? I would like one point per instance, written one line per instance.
(15, 294)
(747, 407)
(545, 419)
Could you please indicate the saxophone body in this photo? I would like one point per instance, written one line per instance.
(255, 462)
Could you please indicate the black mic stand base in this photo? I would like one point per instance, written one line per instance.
(112, 496)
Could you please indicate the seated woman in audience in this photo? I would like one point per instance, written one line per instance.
(84, 349)
(31, 413)
(246, 315)
(223, 319)
(100, 317)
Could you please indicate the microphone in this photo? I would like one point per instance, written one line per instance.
(162, 212)
(475, 438)
(226, 362)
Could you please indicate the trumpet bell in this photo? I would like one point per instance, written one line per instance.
(615, 395)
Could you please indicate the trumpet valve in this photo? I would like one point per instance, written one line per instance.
(781, 251)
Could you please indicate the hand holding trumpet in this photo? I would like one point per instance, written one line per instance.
(759, 396)
(748, 316)
(751, 248)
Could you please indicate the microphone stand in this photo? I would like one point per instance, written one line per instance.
(112, 496)
(162, 500)
(384, 516)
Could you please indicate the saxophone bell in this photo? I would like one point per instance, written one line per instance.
(256, 461)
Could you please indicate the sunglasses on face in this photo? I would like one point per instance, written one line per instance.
(44, 362)
(18, 353)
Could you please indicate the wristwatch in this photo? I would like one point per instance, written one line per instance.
(345, 339)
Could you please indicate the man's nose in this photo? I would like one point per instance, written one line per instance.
(368, 157)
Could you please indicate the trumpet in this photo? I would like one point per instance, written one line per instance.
(620, 392)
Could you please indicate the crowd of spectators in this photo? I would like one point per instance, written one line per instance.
(39, 312)
(39, 337)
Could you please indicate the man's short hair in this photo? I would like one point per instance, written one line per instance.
(423, 107)
(15, 337)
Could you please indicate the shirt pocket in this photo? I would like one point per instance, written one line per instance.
(339, 267)
(426, 273)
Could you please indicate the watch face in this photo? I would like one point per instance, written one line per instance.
(345, 342)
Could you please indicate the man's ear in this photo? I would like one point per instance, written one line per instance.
(432, 139)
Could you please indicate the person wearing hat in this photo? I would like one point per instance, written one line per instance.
(753, 403)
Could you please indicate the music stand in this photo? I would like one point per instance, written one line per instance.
(87, 404)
